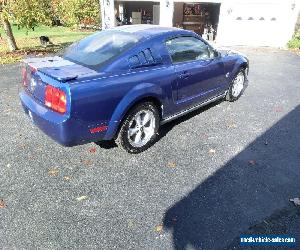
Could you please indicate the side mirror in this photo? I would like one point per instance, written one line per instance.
(217, 54)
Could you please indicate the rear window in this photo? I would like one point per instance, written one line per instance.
(97, 49)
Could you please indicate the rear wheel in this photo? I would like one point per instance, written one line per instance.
(237, 86)
(139, 129)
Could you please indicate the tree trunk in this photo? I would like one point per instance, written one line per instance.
(10, 36)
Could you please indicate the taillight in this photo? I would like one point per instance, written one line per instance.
(24, 76)
(27, 72)
(55, 99)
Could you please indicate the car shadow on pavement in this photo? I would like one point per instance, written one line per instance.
(163, 131)
(250, 187)
(166, 128)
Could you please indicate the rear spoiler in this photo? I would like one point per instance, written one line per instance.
(57, 74)
(58, 68)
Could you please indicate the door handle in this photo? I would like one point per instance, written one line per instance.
(184, 75)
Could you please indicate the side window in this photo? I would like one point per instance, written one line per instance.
(183, 49)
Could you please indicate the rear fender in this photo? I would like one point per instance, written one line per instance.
(136, 94)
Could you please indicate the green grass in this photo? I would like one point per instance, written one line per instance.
(29, 44)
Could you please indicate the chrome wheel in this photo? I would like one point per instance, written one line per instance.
(238, 84)
(141, 128)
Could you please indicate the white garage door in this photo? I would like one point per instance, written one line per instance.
(256, 24)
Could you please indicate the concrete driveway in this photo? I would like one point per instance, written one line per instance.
(212, 175)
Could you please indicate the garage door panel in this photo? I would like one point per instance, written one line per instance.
(255, 24)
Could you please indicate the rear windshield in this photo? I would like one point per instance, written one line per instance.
(97, 49)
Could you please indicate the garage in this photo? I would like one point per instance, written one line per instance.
(131, 12)
(202, 18)
(227, 22)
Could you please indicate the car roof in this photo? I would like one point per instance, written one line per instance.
(150, 31)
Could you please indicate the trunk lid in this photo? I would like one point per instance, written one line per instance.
(35, 71)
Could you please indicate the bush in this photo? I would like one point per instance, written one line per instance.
(295, 42)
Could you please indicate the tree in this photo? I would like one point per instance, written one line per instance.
(24, 13)
(6, 25)
(76, 12)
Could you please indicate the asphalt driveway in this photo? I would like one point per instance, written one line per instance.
(212, 175)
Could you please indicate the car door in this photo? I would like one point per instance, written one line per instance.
(199, 69)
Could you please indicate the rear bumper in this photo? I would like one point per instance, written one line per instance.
(63, 129)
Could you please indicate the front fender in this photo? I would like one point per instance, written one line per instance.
(140, 91)
(241, 62)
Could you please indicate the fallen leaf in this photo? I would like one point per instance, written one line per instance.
(171, 164)
(67, 178)
(278, 109)
(92, 150)
(296, 201)
(257, 130)
(203, 136)
(212, 151)
(252, 162)
(87, 162)
(81, 198)
(53, 172)
(2, 203)
(231, 125)
(159, 228)
(130, 224)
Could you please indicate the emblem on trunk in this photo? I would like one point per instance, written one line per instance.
(32, 84)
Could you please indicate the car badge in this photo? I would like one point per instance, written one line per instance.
(32, 84)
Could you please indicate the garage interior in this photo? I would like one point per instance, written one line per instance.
(202, 18)
(137, 12)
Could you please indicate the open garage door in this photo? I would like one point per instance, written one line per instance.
(259, 24)
(137, 12)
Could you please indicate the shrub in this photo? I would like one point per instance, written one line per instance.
(294, 43)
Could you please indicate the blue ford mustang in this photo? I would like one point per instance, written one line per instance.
(123, 83)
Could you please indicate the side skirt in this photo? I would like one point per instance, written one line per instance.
(184, 112)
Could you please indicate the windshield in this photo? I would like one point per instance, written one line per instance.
(95, 50)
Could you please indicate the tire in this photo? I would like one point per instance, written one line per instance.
(139, 128)
(237, 86)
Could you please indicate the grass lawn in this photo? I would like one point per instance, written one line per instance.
(29, 44)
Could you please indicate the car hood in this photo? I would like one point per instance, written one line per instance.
(59, 68)
(230, 52)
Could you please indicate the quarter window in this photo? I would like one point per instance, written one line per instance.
(134, 62)
(142, 59)
(148, 55)
(183, 49)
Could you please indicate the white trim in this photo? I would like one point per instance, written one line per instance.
(181, 1)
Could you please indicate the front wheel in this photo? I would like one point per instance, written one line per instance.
(139, 129)
(237, 86)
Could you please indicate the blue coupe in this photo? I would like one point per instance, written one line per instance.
(123, 83)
